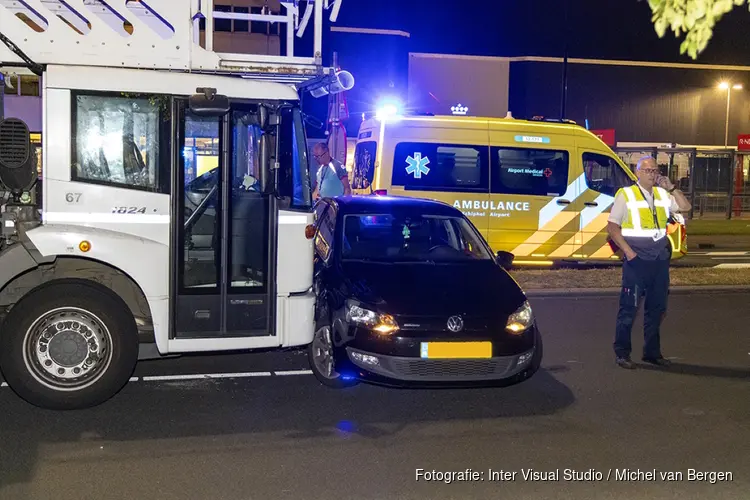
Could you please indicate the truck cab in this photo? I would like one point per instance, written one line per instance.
(175, 194)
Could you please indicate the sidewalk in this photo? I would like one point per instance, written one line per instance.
(601, 292)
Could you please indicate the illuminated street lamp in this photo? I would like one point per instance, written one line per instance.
(728, 87)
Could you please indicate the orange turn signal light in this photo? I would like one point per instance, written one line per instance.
(84, 246)
(310, 231)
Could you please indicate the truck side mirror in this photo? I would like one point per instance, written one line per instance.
(265, 177)
(262, 117)
(18, 170)
(505, 260)
(208, 103)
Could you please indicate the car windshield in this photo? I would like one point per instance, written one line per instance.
(393, 238)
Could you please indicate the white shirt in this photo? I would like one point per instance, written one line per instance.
(620, 206)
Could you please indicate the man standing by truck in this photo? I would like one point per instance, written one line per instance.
(638, 225)
(332, 178)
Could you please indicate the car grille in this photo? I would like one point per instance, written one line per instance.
(447, 369)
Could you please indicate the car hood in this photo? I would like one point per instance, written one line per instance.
(478, 288)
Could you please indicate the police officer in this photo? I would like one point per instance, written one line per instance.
(638, 225)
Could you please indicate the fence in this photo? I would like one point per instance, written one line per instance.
(716, 182)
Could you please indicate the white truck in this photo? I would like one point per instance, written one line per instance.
(175, 193)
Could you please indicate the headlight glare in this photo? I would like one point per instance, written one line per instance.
(384, 324)
(521, 320)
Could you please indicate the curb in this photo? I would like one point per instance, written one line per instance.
(674, 290)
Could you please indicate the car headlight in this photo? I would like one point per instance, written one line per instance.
(521, 320)
(381, 323)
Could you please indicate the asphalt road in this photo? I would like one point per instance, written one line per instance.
(282, 435)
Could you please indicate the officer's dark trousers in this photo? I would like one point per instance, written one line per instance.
(649, 278)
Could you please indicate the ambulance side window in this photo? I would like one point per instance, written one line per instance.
(534, 172)
(364, 164)
(441, 167)
(604, 174)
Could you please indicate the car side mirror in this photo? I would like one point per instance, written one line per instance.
(505, 260)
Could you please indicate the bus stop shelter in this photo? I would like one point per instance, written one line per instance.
(714, 180)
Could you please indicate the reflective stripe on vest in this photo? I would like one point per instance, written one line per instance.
(639, 221)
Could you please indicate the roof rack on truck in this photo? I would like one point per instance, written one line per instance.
(178, 35)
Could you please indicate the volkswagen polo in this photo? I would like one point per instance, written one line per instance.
(410, 294)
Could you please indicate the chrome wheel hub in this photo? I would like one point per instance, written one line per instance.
(323, 353)
(67, 348)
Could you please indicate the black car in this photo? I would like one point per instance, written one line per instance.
(410, 294)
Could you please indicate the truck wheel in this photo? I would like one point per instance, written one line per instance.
(68, 346)
(322, 358)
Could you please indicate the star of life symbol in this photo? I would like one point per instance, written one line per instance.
(417, 165)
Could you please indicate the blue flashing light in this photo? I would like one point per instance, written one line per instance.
(388, 108)
(346, 426)
(587, 124)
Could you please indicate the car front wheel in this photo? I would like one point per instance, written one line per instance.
(323, 360)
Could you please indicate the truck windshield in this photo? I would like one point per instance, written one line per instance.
(411, 238)
(294, 164)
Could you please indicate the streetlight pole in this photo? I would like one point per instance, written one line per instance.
(728, 87)
(726, 126)
(564, 85)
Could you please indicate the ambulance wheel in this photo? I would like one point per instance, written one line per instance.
(321, 355)
(68, 345)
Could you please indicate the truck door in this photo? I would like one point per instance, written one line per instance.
(223, 250)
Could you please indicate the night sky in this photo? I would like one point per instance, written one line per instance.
(601, 29)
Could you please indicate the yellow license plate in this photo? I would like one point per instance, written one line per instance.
(456, 350)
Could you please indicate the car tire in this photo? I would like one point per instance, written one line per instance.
(325, 373)
(68, 345)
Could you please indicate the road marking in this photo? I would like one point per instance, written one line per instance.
(199, 376)
(294, 372)
(733, 266)
(204, 376)
(727, 253)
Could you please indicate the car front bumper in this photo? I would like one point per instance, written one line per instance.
(396, 369)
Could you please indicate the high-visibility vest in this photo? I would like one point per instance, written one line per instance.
(640, 221)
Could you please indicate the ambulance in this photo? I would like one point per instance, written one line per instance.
(539, 189)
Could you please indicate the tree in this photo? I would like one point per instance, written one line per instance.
(695, 18)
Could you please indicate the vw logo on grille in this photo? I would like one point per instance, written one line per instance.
(455, 324)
